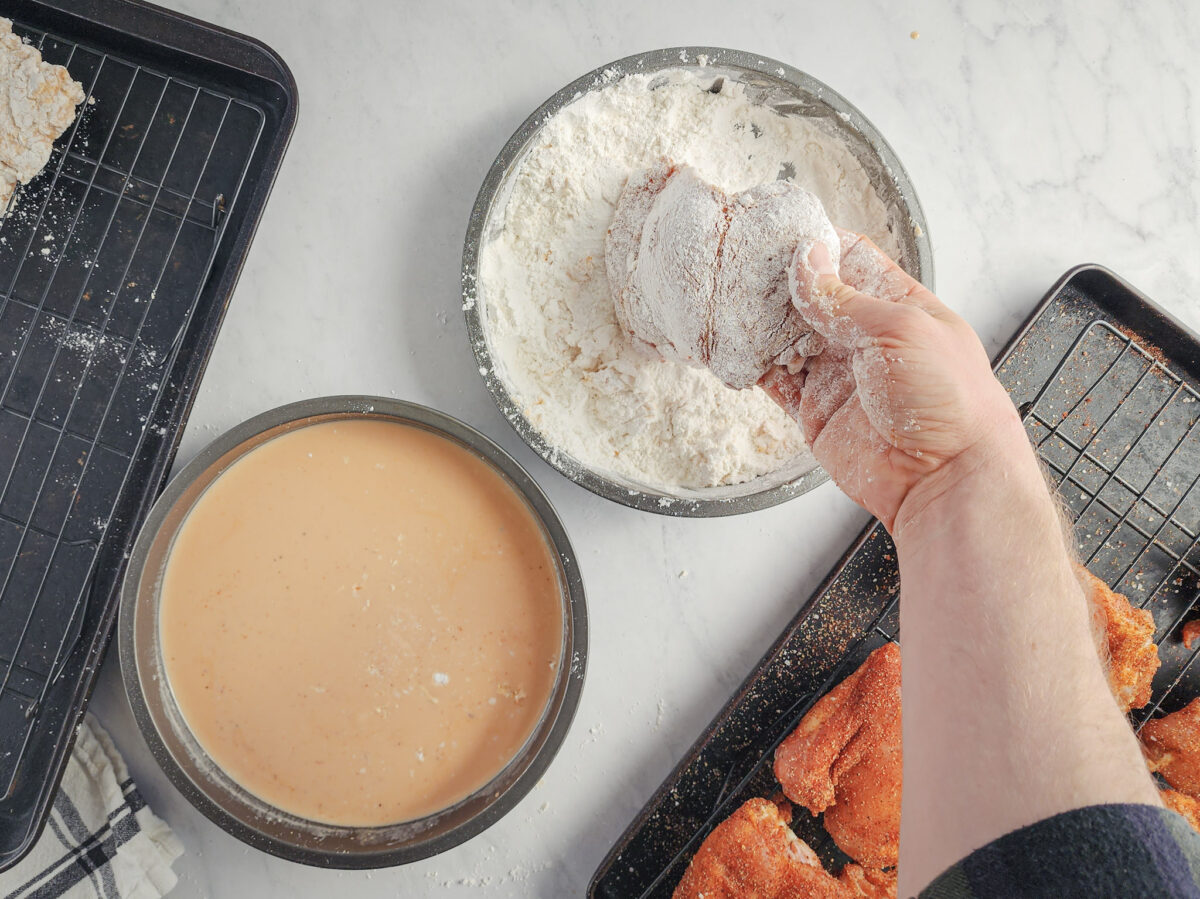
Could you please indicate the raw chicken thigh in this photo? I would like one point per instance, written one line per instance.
(701, 276)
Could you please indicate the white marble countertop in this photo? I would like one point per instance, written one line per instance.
(1036, 141)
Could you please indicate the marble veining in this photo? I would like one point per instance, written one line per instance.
(1038, 136)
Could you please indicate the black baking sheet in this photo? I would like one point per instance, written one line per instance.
(1107, 385)
(116, 266)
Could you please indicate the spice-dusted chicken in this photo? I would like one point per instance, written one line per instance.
(1172, 747)
(753, 854)
(1191, 631)
(1186, 805)
(1129, 652)
(37, 104)
(845, 760)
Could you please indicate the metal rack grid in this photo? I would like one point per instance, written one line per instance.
(102, 260)
(1119, 432)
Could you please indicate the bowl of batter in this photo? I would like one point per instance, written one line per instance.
(658, 435)
(353, 632)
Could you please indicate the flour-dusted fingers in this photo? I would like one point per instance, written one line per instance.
(838, 311)
(786, 388)
(862, 462)
(868, 269)
(812, 395)
(829, 383)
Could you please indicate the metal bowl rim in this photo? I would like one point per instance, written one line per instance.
(575, 653)
(659, 60)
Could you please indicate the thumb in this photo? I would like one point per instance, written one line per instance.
(835, 310)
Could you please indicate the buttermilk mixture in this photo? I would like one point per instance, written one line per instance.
(361, 622)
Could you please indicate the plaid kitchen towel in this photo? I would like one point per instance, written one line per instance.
(101, 840)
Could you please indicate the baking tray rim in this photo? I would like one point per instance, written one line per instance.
(281, 73)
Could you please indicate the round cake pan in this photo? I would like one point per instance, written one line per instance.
(212, 791)
(775, 85)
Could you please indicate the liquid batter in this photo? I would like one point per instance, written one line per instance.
(361, 622)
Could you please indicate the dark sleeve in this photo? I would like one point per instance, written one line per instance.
(1101, 850)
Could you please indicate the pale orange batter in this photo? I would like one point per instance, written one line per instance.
(361, 622)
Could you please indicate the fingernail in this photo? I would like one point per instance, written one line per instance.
(820, 260)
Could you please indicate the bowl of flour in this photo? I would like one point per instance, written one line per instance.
(658, 435)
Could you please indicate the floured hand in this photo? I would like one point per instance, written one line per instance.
(904, 386)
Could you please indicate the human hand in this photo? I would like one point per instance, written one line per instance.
(903, 393)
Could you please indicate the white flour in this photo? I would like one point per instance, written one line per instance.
(551, 324)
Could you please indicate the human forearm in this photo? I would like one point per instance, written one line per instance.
(1007, 714)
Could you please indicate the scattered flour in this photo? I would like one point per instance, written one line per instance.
(548, 312)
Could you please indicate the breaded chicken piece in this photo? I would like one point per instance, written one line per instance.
(1130, 654)
(753, 854)
(1186, 805)
(1172, 747)
(37, 104)
(868, 883)
(845, 760)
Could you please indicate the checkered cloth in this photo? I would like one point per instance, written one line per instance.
(101, 839)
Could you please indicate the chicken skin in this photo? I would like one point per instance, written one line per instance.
(845, 760)
(1186, 805)
(1128, 647)
(1191, 631)
(753, 854)
(867, 883)
(1172, 747)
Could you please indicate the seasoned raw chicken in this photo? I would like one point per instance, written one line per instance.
(1191, 631)
(868, 883)
(1129, 651)
(1186, 805)
(1172, 747)
(701, 276)
(37, 104)
(753, 854)
(845, 760)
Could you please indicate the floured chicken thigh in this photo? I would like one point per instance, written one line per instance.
(37, 104)
(702, 276)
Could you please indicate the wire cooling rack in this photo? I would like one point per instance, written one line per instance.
(132, 209)
(1116, 420)
(1120, 432)
(115, 267)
